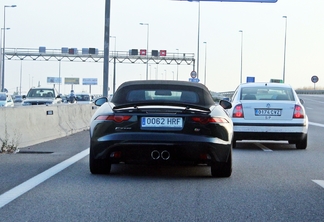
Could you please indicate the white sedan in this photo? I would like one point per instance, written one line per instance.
(269, 111)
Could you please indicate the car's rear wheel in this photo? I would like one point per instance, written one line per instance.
(99, 166)
(222, 169)
(302, 144)
(234, 143)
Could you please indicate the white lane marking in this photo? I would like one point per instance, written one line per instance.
(19, 190)
(319, 182)
(316, 124)
(263, 147)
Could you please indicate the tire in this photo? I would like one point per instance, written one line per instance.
(222, 169)
(302, 144)
(234, 143)
(292, 142)
(99, 166)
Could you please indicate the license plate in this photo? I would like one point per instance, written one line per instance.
(268, 112)
(158, 122)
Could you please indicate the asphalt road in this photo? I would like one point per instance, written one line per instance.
(270, 182)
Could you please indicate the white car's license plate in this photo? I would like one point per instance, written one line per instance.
(161, 122)
(268, 112)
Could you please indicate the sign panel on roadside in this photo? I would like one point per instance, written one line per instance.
(72, 81)
(89, 81)
(54, 80)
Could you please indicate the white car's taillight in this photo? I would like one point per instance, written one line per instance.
(238, 111)
(298, 112)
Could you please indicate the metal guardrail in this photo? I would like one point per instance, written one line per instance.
(300, 91)
(229, 94)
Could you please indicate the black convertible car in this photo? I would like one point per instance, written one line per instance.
(161, 122)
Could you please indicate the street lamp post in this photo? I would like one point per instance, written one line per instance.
(285, 41)
(241, 72)
(4, 44)
(205, 74)
(1, 55)
(20, 79)
(147, 48)
(115, 42)
(198, 37)
(114, 74)
(150, 72)
(177, 64)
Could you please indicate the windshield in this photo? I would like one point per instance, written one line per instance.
(41, 93)
(83, 98)
(3, 97)
(162, 95)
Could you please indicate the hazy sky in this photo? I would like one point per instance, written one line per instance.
(172, 25)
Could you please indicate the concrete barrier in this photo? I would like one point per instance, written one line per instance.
(28, 125)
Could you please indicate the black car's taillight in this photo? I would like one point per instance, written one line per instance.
(117, 119)
(205, 120)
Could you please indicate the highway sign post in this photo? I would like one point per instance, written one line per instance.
(314, 80)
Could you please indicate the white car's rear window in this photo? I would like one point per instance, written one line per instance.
(267, 93)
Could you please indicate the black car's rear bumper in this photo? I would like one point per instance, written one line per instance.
(160, 148)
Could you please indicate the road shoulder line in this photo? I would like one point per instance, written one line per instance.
(19, 190)
(319, 182)
(316, 124)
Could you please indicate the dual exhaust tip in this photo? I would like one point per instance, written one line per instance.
(165, 155)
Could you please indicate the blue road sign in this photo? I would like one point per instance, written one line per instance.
(250, 79)
(193, 74)
(194, 80)
(314, 79)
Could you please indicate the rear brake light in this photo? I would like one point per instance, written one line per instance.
(117, 119)
(205, 120)
(238, 111)
(298, 112)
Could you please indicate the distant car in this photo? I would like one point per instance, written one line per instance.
(18, 99)
(269, 111)
(83, 98)
(41, 96)
(161, 122)
(64, 98)
(6, 100)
